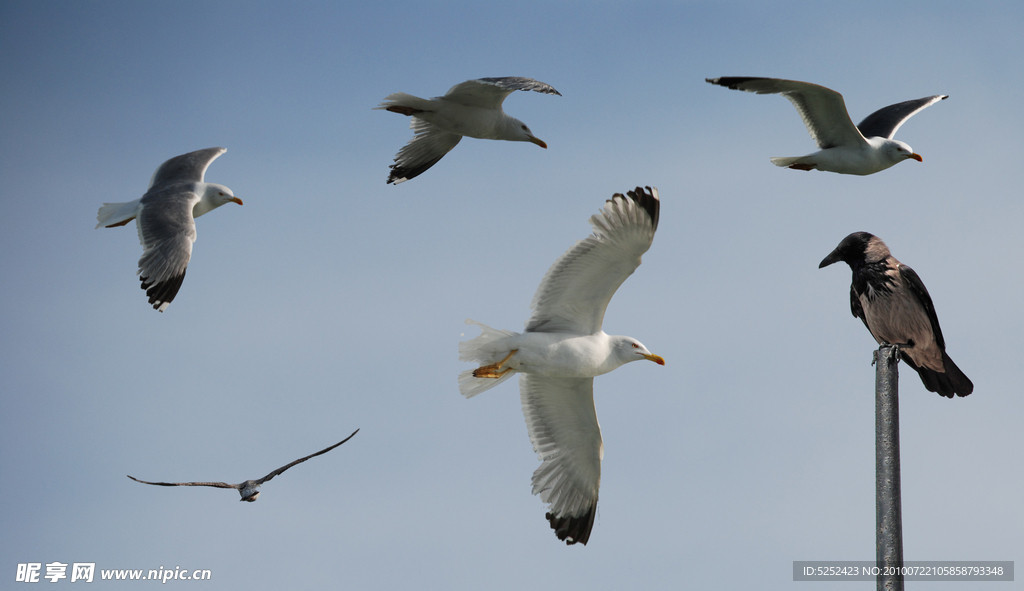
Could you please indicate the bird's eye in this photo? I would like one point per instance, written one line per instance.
(636, 345)
(221, 193)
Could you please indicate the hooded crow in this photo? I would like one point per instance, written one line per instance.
(893, 303)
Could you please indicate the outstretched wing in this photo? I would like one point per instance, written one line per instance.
(562, 423)
(214, 484)
(823, 110)
(300, 460)
(489, 93)
(428, 145)
(187, 168)
(575, 292)
(885, 121)
(166, 231)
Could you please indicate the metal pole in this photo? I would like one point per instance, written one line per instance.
(888, 518)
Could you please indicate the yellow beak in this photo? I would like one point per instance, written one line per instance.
(655, 358)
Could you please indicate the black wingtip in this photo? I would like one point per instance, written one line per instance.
(646, 198)
(162, 294)
(730, 81)
(573, 530)
(401, 173)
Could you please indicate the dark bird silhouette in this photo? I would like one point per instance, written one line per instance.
(250, 489)
(893, 303)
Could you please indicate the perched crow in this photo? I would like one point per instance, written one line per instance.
(895, 306)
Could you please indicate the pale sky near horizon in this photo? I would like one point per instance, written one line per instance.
(331, 301)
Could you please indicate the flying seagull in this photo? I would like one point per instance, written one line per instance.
(471, 108)
(165, 217)
(893, 303)
(865, 149)
(250, 489)
(560, 352)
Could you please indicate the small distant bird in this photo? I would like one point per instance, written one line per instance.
(893, 303)
(250, 489)
(472, 108)
(560, 352)
(865, 149)
(165, 217)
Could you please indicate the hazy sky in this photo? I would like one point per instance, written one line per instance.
(331, 301)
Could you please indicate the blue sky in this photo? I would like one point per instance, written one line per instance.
(332, 301)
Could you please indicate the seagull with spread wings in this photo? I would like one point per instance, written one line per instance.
(165, 217)
(250, 489)
(471, 108)
(560, 352)
(863, 149)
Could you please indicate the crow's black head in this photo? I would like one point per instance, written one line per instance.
(857, 248)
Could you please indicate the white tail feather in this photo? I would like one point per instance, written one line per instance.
(401, 99)
(117, 213)
(483, 349)
(786, 161)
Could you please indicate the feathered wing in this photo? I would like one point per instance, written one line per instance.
(428, 145)
(300, 460)
(166, 231)
(563, 427)
(917, 289)
(822, 109)
(214, 484)
(952, 380)
(187, 168)
(885, 121)
(576, 290)
(489, 93)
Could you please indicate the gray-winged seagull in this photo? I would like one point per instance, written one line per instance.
(250, 489)
(847, 149)
(560, 352)
(471, 108)
(165, 217)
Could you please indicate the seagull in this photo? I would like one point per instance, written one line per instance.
(894, 305)
(250, 489)
(865, 149)
(471, 108)
(560, 352)
(165, 217)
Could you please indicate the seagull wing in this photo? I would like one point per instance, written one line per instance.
(562, 422)
(187, 168)
(300, 460)
(429, 144)
(576, 290)
(214, 484)
(489, 93)
(885, 121)
(823, 110)
(166, 231)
